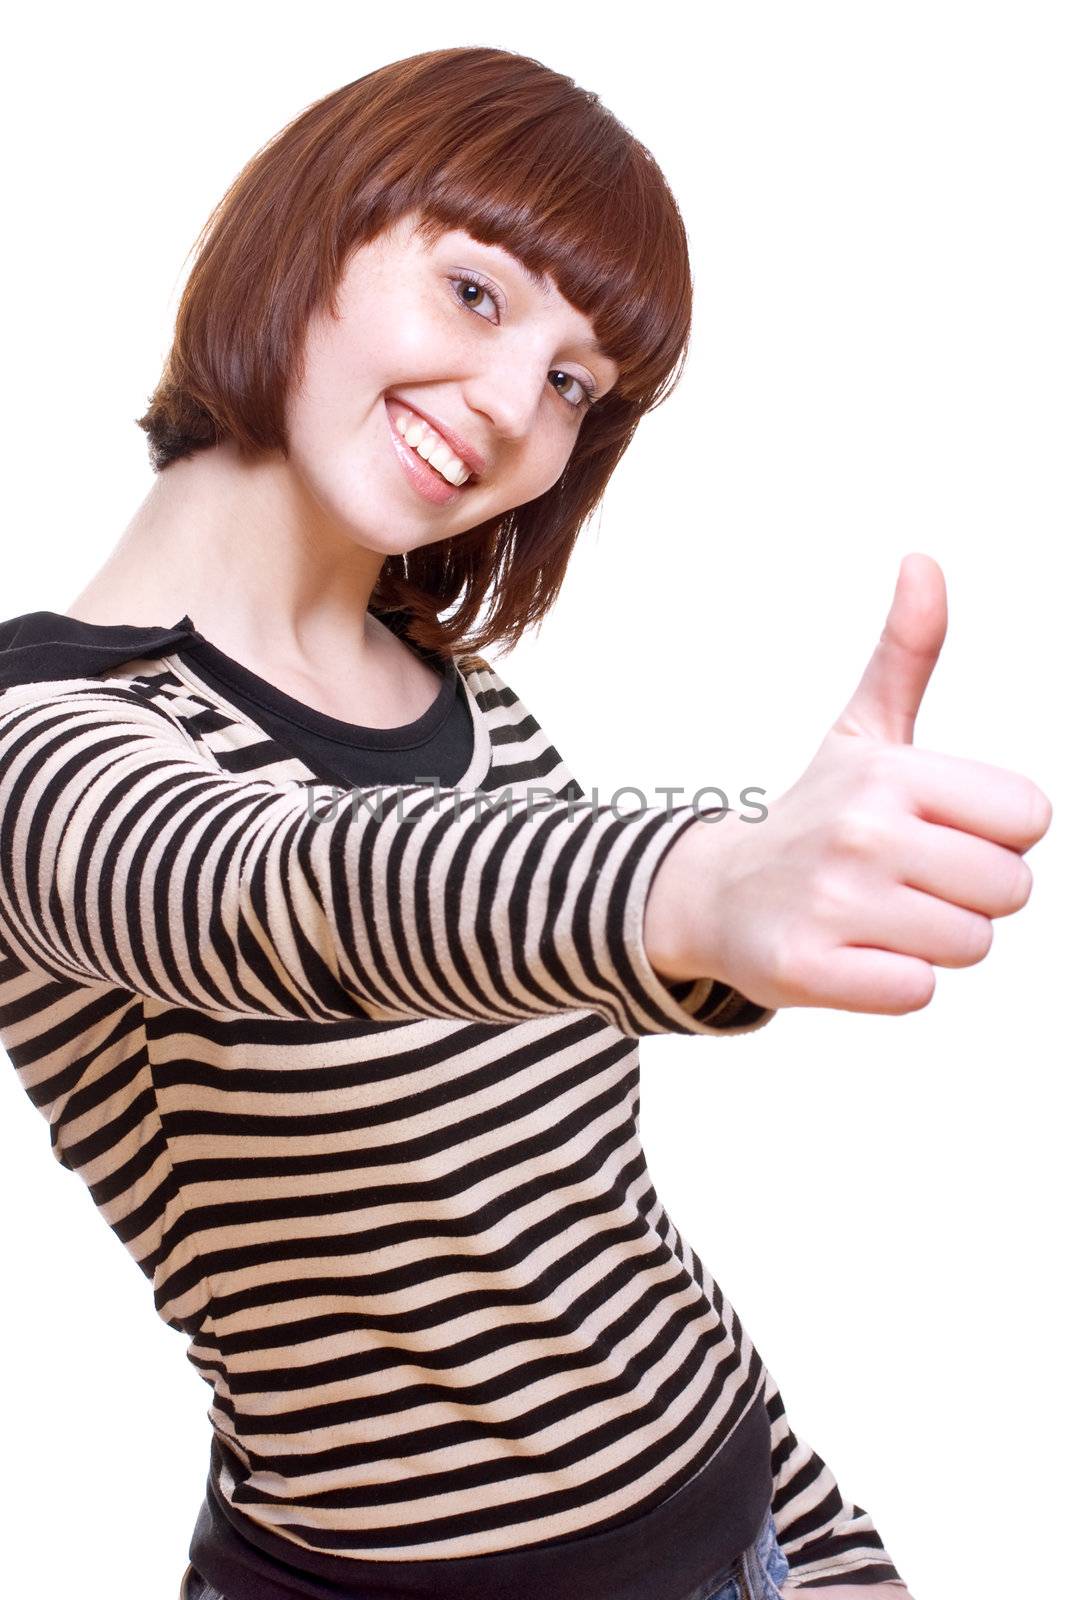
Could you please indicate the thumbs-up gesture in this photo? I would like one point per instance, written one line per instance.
(881, 862)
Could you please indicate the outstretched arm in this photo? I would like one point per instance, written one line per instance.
(129, 859)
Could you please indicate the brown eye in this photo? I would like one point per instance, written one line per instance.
(586, 395)
(481, 288)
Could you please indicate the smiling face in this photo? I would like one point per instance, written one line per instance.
(454, 334)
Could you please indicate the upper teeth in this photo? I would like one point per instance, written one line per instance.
(431, 447)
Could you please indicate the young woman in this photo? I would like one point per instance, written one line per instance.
(344, 1047)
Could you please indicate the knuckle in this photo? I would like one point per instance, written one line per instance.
(829, 901)
(859, 834)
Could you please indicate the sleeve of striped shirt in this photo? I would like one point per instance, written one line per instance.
(127, 857)
(825, 1538)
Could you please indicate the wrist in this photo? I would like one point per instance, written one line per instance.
(677, 918)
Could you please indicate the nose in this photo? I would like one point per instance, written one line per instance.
(507, 393)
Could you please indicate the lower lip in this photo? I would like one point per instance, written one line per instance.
(423, 478)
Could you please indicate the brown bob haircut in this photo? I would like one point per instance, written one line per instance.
(518, 156)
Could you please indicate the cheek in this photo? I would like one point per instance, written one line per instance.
(549, 458)
(528, 477)
(314, 420)
(406, 337)
(421, 351)
(381, 340)
(330, 383)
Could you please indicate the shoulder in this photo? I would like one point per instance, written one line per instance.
(486, 683)
(69, 704)
(523, 750)
(496, 699)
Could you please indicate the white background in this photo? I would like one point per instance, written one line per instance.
(875, 200)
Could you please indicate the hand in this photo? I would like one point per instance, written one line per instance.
(881, 862)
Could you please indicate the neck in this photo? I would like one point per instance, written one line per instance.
(238, 546)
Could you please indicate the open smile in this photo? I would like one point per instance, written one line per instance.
(433, 468)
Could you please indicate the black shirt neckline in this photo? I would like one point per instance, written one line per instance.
(47, 644)
(263, 693)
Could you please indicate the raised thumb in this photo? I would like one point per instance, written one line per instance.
(886, 702)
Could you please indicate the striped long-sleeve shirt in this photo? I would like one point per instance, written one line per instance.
(356, 1081)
